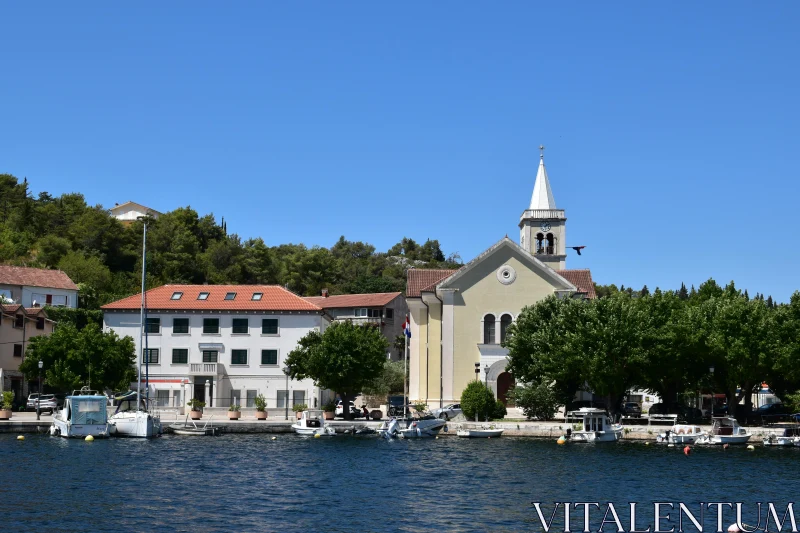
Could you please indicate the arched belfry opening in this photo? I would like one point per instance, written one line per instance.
(539, 243)
(551, 244)
(488, 329)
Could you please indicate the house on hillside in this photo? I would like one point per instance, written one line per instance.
(37, 287)
(18, 325)
(130, 211)
(220, 344)
(384, 310)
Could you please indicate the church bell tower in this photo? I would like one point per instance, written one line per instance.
(543, 227)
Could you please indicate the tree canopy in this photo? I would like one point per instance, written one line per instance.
(75, 358)
(665, 342)
(103, 255)
(345, 358)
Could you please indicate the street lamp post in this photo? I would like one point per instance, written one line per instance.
(711, 409)
(286, 398)
(39, 398)
(486, 375)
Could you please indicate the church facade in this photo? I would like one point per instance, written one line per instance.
(459, 318)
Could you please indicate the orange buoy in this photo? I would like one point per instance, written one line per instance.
(725, 447)
(687, 450)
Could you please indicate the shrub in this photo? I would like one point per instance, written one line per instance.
(329, 407)
(298, 407)
(196, 404)
(536, 401)
(261, 403)
(420, 407)
(478, 399)
(8, 400)
(235, 407)
(499, 410)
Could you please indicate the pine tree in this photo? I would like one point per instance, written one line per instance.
(683, 294)
(746, 296)
(644, 292)
(770, 303)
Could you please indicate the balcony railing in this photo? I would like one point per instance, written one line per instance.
(546, 214)
(202, 369)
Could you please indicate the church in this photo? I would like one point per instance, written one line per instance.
(459, 318)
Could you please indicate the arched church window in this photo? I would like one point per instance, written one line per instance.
(551, 241)
(488, 329)
(539, 243)
(505, 321)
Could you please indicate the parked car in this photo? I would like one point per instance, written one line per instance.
(631, 409)
(354, 412)
(47, 402)
(448, 411)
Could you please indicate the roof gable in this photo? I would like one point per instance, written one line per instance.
(35, 277)
(132, 205)
(378, 299)
(423, 279)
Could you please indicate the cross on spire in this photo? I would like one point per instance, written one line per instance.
(541, 148)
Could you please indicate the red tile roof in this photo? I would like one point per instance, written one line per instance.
(424, 280)
(274, 298)
(581, 278)
(35, 277)
(12, 309)
(378, 299)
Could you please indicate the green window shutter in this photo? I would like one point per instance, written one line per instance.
(269, 357)
(269, 326)
(238, 357)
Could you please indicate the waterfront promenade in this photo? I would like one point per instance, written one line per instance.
(26, 423)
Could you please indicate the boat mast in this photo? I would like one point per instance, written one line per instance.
(141, 325)
(144, 304)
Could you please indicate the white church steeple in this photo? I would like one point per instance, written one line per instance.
(542, 197)
(543, 227)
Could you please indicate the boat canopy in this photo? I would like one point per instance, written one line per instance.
(88, 409)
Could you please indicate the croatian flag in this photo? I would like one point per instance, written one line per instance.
(407, 328)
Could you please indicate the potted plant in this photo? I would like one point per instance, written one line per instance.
(234, 412)
(196, 408)
(8, 404)
(298, 408)
(329, 410)
(261, 407)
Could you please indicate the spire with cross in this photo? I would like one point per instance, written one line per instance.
(541, 149)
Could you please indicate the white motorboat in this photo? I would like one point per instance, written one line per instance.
(312, 423)
(595, 426)
(790, 437)
(479, 433)
(132, 422)
(190, 429)
(681, 434)
(84, 413)
(725, 430)
(412, 428)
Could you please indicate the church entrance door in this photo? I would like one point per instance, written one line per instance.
(505, 383)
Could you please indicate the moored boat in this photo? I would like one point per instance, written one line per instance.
(790, 437)
(681, 434)
(84, 414)
(725, 430)
(422, 426)
(190, 429)
(312, 423)
(479, 433)
(130, 421)
(595, 426)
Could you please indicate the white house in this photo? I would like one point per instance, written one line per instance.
(130, 211)
(221, 344)
(37, 287)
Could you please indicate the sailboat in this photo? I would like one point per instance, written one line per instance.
(138, 421)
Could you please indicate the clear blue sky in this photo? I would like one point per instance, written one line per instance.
(671, 128)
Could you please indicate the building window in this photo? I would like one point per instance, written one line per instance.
(238, 357)
(40, 322)
(176, 296)
(211, 326)
(180, 325)
(505, 321)
(152, 325)
(17, 350)
(230, 296)
(358, 313)
(488, 329)
(151, 356)
(20, 321)
(269, 326)
(283, 396)
(241, 325)
(298, 397)
(269, 357)
(180, 356)
(58, 301)
(210, 356)
(202, 296)
(251, 398)
(162, 398)
(256, 297)
(389, 314)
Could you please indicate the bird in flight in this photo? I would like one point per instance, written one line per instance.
(578, 248)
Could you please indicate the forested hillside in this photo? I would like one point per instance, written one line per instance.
(103, 255)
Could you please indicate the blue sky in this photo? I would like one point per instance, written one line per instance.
(671, 129)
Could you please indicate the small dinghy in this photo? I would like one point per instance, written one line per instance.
(312, 423)
(482, 433)
(189, 429)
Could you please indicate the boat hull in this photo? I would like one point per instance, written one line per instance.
(611, 435)
(479, 433)
(423, 429)
(326, 431)
(77, 431)
(782, 441)
(724, 439)
(141, 424)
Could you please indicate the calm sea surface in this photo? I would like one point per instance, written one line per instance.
(251, 483)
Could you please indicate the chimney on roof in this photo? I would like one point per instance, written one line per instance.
(325, 293)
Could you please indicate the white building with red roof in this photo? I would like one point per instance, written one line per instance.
(37, 287)
(221, 344)
(459, 318)
(384, 310)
